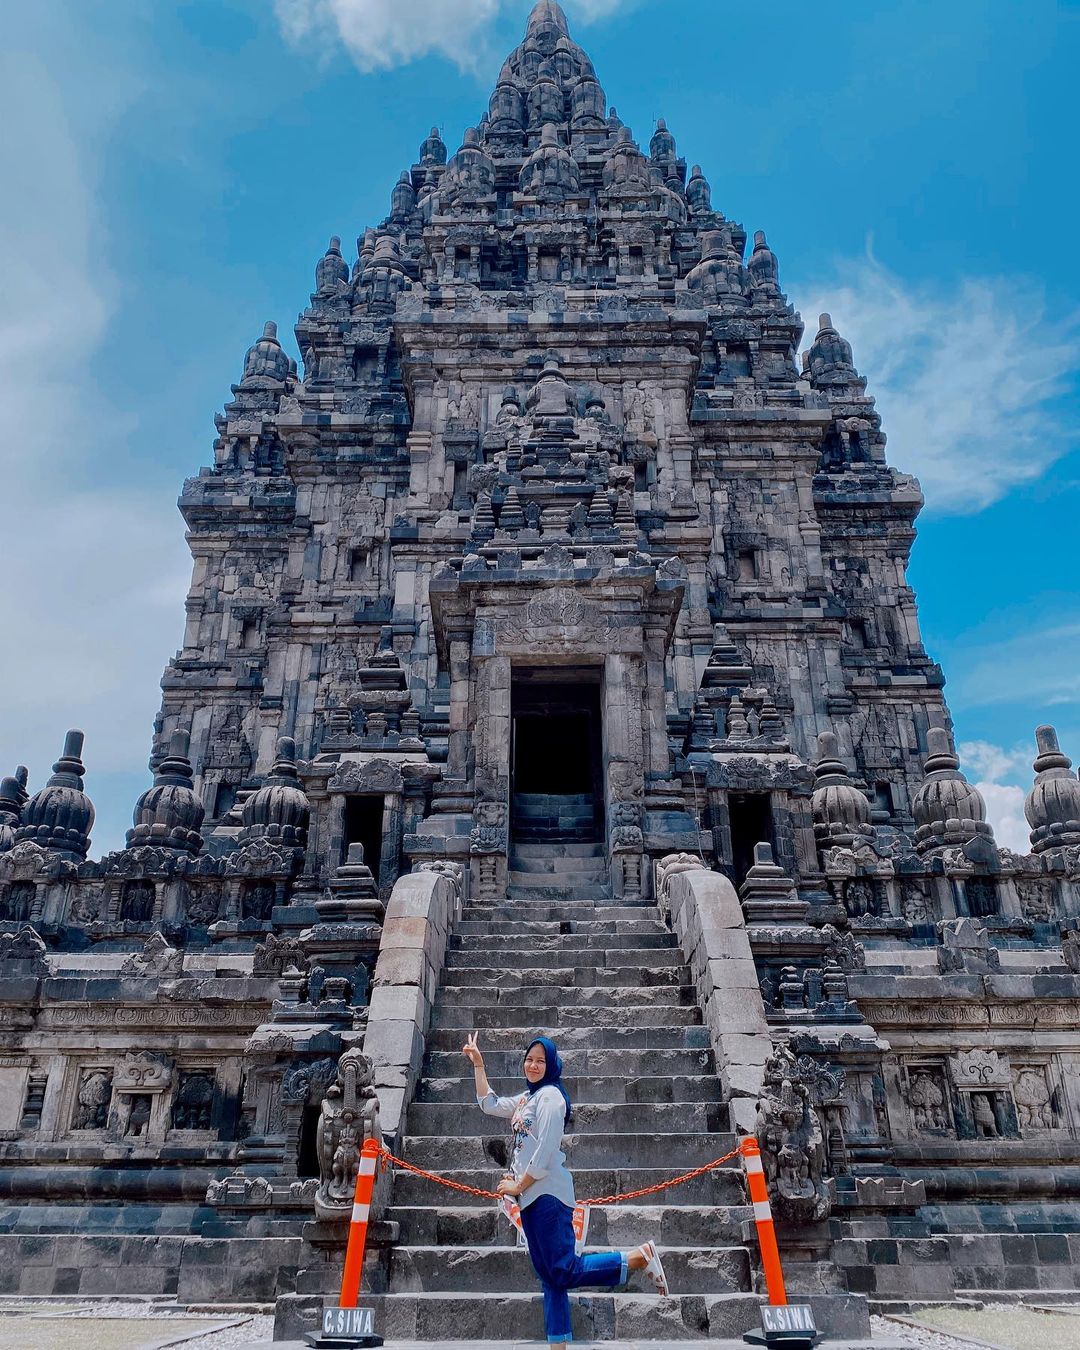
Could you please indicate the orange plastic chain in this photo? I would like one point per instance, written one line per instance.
(387, 1156)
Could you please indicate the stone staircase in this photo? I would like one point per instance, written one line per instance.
(606, 980)
(555, 820)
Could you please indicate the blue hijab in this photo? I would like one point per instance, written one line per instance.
(552, 1073)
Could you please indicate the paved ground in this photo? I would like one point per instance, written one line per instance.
(1007, 1325)
(26, 1324)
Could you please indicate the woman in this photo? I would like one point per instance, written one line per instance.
(544, 1189)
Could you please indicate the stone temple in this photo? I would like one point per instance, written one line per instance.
(550, 665)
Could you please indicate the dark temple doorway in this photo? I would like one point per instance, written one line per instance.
(556, 755)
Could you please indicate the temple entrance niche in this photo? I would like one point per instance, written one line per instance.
(364, 825)
(556, 755)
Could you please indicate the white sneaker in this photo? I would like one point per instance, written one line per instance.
(654, 1269)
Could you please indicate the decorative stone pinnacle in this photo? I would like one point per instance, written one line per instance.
(824, 322)
(269, 333)
(940, 755)
(283, 769)
(175, 769)
(68, 771)
(830, 765)
(1050, 755)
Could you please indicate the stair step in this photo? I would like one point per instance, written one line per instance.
(607, 1063)
(537, 892)
(561, 911)
(617, 998)
(581, 977)
(721, 1187)
(460, 1020)
(467, 1316)
(447, 1118)
(620, 1226)
(669, 1153)
(598, 1037)
(553, 860)
(584, 1088)
(531, 943)
(508, 1270)
(478, 956)
(526, 850)
(594, 928)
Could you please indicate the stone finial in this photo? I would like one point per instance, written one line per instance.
(763, 267)
(829, 359)
(13, 797)
(1053, 804)
(698, 192)
(547, 14)
(279, 810)
(61, 816)
(332, 272)
(403, 198)
(471, 172)
(433, 149)
(768, 895)
(841, 811)
(550, 171)
(948, 810)
(720, 274)
(265, 365)
(353, 894)
(170, 814)
(662, 145)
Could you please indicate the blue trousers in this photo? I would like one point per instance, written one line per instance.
(549, 1230)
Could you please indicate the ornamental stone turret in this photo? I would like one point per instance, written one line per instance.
(13, 797)
(61, 816)
(841, 811)
(170, 814)
(1053, 804)
(948, 810)
(763, 268)
(662, 146)
(588, 105)
(433, 149)
(506, 109)
(547, 23)
(550, 172)
(266, 366)
(626, 168)
(720, 275)
(279, 812)
(471, 172)
(332, 271)
(545, 100)
(698, 193)
(403, 198)
(829, 359)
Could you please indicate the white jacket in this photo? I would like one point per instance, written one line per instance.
(537, 1121)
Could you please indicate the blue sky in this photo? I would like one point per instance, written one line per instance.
(173, 171)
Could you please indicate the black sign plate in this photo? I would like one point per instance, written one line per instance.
(789, 1319)
(348, 1322)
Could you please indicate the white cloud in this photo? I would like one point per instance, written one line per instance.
(94, 572)
(1039, 668)
(965, 375)
(1005, 811)
(1004, 778)
(382, 34)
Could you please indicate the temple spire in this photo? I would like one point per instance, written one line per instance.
(545, 14)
